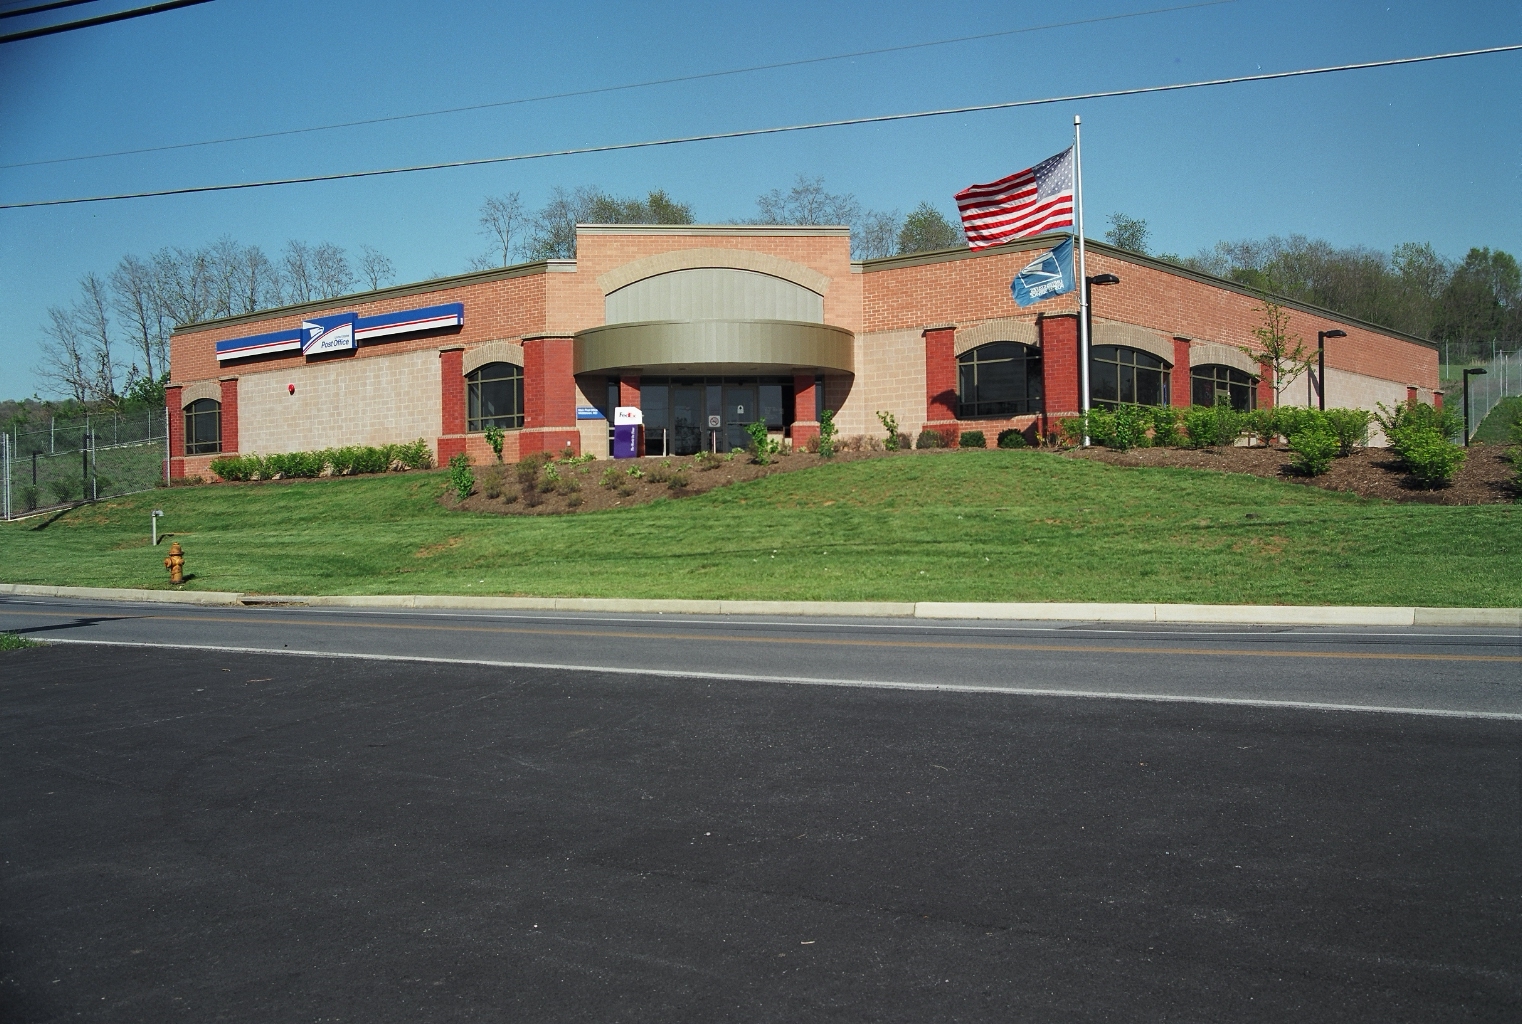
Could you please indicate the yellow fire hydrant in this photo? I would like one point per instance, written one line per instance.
(175, 563)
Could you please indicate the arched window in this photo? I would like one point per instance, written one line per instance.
(203, 427)
(1125, 375)
(494, 397)
(1213, 382)
(999, 379)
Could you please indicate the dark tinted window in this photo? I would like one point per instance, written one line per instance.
(1213, 382)
(999, 379)
(1127, 375)
(203, 427)
(494, 397)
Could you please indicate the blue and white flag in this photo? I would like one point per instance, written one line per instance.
(1050, 274)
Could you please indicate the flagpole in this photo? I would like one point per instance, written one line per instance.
(1083, 276)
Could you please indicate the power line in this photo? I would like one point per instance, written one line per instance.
(613, 88)
(751, 132)
(103, 19)
(19, 11)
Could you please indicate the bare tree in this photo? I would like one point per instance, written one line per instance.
(553, 231)
(136, 299)
(297, 272)
(331, 274)
(184, 283)
(502, 220)
(92, 314)
(258, 281)
(807, 203)
(1285, 353)
(65, 357)
(374, 267)
(877, 235)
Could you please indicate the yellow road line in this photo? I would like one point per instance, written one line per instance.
(612, 634)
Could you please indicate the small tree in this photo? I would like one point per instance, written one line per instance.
(827, 432)
(1285, 353)
(494, 437)
(890, 424)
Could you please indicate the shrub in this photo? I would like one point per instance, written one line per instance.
(930, 439)
(236, 467)
(1404, 415)
(761, 446)
(491, 481)
(678, 481)
(551, 478)
(574, 499)
(355, 458)
(461, 477)
(532, 498)
(1211, 425)
(1165, 427)
(416, 455)
(1011, 439)
(1128, 427)
(971, 439)
(1350, 427)
(706, 460)
(527, 470)
(293, 464)
(890, 424)
(1430, 456)
(826, 443)
(609, 477)
(494, 436)
(1314, 448)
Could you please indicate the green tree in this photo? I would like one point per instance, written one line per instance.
(552, 230)
(1285, 353)
(926, 230)
(1482, 302)
(1129, 233)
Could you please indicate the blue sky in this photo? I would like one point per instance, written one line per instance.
(1427, 153)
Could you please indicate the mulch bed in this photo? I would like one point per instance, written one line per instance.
(657, 481)
(1487, 477)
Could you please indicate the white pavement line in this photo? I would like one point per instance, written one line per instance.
(1019, 691)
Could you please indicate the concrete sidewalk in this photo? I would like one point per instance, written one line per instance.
(1271, 615)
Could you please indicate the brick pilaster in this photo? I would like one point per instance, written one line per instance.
(549, 396)
(1182, 394)
(805, 427)
(941, 381)
(451, 402)
(1265, 384)
(229, 414)
(174, 403)
(1059, 370)
(628, 392)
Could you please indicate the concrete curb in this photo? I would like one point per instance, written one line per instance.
(1256, 615)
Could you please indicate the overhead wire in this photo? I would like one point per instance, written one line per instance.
(1267, 76)
(100, 19)
(17, 12)
(600, 90)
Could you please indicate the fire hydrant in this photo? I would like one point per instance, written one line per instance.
(175, 563)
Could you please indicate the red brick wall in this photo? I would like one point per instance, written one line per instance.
(941, 378)
(976, 288)
(173, 402)
(628, 393)
(805, 428)
(549, 397)
(1183, 389)
(1265, 386)
(1059, 368)
(452, 402)
(229, 415)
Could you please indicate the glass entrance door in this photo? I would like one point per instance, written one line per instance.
(739, 412)
(687, 420)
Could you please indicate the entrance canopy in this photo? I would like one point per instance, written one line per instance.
(715, 347)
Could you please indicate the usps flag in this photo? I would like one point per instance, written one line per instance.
(1034, 200)
(1050, 274)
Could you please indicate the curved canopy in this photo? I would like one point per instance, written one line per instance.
(715, 347)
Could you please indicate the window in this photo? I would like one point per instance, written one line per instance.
(494, 397)
(203, 427)
(1127, 375)
(999, 379)
(1213, 383)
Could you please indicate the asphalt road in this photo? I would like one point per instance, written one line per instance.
(1462, 671)
(213, 835)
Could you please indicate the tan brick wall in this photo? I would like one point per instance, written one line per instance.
(383, 400)
(890, 376)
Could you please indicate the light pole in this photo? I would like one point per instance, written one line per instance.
(1321, 337)
(1088, 312)
(1470, 372)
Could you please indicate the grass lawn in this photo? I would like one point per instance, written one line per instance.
(964, 526)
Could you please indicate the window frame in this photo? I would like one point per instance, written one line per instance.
(1164, 369)
(1000, 408)
(1249, 383)
(196, 414)
(475, 422)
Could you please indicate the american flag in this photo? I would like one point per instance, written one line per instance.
(1029, 202)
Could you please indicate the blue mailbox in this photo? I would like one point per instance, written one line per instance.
(628, 432)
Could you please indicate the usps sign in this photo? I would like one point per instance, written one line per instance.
(328, 333)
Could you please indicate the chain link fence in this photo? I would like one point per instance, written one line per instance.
(1502, 379)
(68, 461)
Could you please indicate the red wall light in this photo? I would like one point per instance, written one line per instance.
(291, 388)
